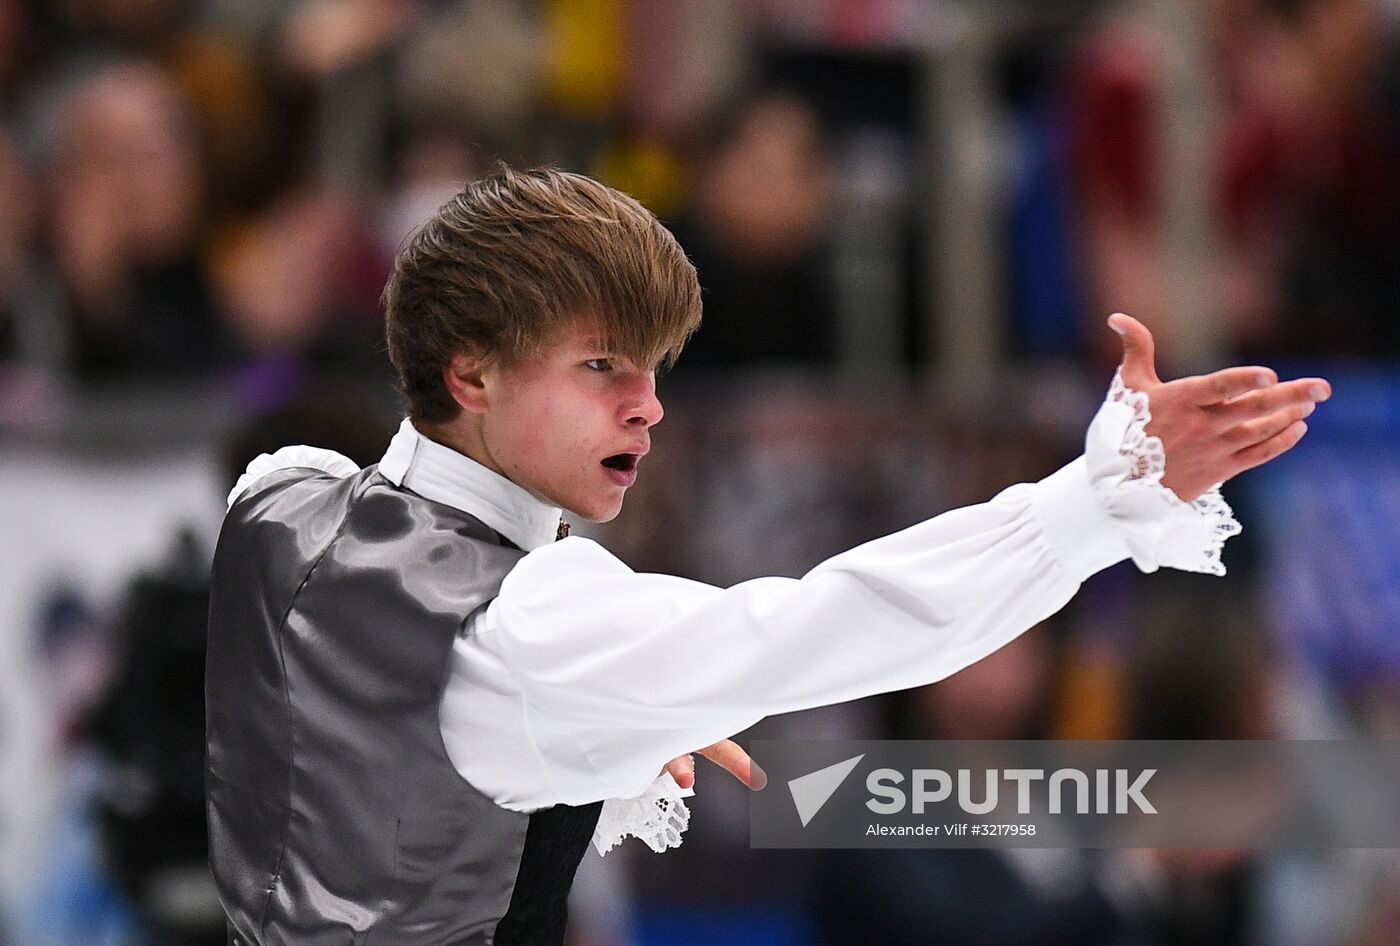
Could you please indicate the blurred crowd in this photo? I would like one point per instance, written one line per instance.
(207, 189)
(200, 201)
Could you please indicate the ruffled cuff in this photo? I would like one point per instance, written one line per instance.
(1125, 467)
(657, 816)
(314, 458)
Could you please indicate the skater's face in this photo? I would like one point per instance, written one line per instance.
(570, 425)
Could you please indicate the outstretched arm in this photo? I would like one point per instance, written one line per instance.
(1211, 428)
(621, 672)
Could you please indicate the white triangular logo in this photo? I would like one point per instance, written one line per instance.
(811, 791)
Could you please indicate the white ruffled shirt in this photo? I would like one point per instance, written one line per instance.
(583, 678)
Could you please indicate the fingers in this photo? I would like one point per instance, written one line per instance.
(1139, 357)
(682, 769)
(1275, 446)
(1243, 436)
(1226, 384)
(728, 755)
(1271, 400)
(1216, 426)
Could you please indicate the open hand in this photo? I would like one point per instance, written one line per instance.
(1215, 426)
(728, 755)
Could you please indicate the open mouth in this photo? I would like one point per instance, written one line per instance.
(624, 462)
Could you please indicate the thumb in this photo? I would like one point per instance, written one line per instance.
(1139, 355)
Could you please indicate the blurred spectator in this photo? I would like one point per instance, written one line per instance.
(1340, 286)
(126, 200)
(1173, 694)
(331, 416)
(1117, 91)
(1045, 897)
(757, 233)
(323, 37)
(475, 66)
(979, 897)
(433, 163)
(299, 285)
(1211, 896)
(1012, 694)
(150, 727)
(239, 112)
(685, 59)
(1301, 189)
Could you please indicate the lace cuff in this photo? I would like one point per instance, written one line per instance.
(1125, 468)
(657, 816)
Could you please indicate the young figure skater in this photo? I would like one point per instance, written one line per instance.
(420, 702)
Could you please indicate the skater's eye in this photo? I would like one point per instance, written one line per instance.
(599, 364)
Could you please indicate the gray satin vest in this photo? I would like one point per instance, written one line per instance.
(335, 814)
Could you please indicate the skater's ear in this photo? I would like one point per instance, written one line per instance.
(464, 377)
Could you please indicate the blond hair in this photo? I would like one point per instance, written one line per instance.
(518, 256)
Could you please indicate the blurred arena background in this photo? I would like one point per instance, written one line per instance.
(910, 218)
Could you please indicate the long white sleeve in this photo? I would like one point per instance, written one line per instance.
(621, 672)
(583, 677)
